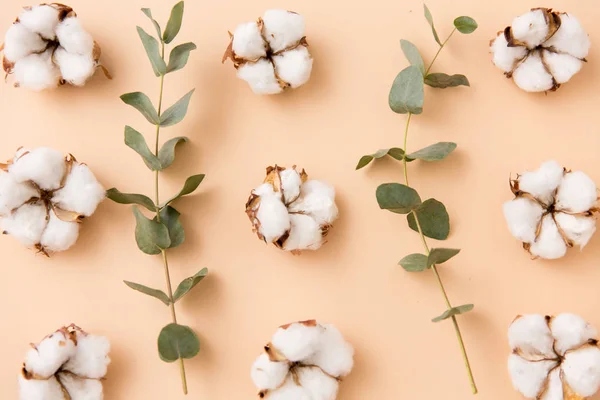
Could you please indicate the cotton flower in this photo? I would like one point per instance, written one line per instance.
(290, 211)
(541, 50)
(552, 210)
(271, 54)
(69, 364)
(304, 360)
(47, 46)
(43, 198)
(554, 358)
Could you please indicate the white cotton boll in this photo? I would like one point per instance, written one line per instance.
(13, 194)
(26, 224)
(50, 355)
(248, 42)
(81, 193)
(531, 28)
(523, 216)
(334, 355)
(33, 389)
(317, 199)
(297, 341)
(265, 189)
(528, 377)
(582, 370)
(318, 385)
(290, 183)
(59, 235)
(273, 218)
(506, 57)
(562, 66)
(554, 388)
(74, 38)
(75, 68)
(44, 166)
(531, 75)
(260, 76)
(82, 389)
(289, 391)
(530, 335)
(550, 244)
(577, 193)
(305, 234)
(20, 42)
(570, 331)
(294, 66)
(267, 374)
(37, 72)
(570, 37)
(578, 229)
(283, 29)
(542, 183)
(41, 19)
(91, 356)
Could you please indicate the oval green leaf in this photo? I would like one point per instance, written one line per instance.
(465, 24)
(148, 13)
(179, 56)
(166, 154)
(177, 341)
(397, 198)
(465, 308)
(151, 236)
(429, 19)
(158, 294)
(412, 55)
(414, 262)
(407, 93)
(394, 152)
(440, 256)
(169, 217)
(189, 186)
(188, 284)
(435, 152)
(142, 103)
(433, 219)
(136, 141)
(151, 47)
(174, 24)
(130, 198)
(175, 114)
(441, 81)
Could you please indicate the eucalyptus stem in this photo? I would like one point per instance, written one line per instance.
(426, 246)
(157, 198)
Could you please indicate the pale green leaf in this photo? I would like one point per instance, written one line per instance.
(179, 56)
(130, 198)
(177, 342)
(136, 141)
(188, 284)
(435, 152)
(142, 103)
(148, 13)
(152, 237)
(429, 18)
(159, 294)
(407, 93)
(151, 46)
(189, 186)
(394, 152)
(166, 154)
(174, 24)
(433, 219)
(414, 262)
(441, 81)
(169, 217)
(412, 55)
(177, 111)
(454, 311)
(397, 198)
(465, 24)
(440, 256)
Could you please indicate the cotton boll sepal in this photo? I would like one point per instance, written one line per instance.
(541, 50)
(290, 211)
(553, 210)
(47, 47)
(68, 364)
(303, 360)
(272, 54)
(554, 358)
(44, 196)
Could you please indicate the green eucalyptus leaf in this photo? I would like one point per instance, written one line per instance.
(189, 186)
(148, 13)
(142, 103)
(174, 24)
(151, 236)
(151, 45)
(435, 152)
(412, 55)
(188, 284)
(174, 114)
(159, 294)
(441, 81)
(394, 152)
(414, 262)
(397, 153)
(454, 311)
(136, 141)
(407, 93)
(179, 56)
(169, 217)
(429, 19)
(130, 198)
(433, 219)
(177, 341)
(166, 154)
(440, 256)
(397, 198)
(465, 24)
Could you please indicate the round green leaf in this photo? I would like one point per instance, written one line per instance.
(440, 256)
(177, 341)
(435, 152)
(397, 198)
(152, 237)
(170, 218)
(433, 218)
(407, 93)
(414, 262)
(465, 24)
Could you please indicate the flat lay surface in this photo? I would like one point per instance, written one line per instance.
(353, 281)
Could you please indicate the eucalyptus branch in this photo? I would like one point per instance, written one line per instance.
(428, 218)
(164, 231)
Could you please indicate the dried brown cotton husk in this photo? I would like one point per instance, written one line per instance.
(272, 53)
(305, 359)
(69, 364)
(553, 210)
(541, 50)
(291, 211)
(44, 196)
(47, 46)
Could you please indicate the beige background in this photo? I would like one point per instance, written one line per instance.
(324, 127)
